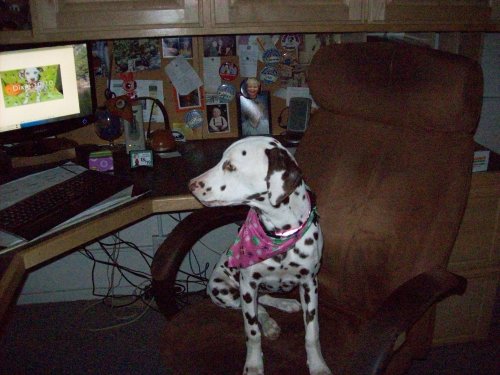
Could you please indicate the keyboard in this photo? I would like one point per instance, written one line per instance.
(35, 215)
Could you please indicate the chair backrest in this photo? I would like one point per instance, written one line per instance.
(389, 155)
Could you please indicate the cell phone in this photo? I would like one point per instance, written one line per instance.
(299, 111)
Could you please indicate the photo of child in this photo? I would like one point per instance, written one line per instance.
(254, 112)
(217, 116)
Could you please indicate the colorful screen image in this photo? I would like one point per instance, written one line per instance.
(31, 85)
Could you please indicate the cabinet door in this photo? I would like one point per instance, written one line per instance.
(286, 15)
(433, 12)
(95, 19)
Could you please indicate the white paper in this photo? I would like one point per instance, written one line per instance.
(248, 62)
(481, 160)
(211, 77)
(14, 191)
(183, 76)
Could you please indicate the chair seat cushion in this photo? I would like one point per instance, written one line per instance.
(206, 339)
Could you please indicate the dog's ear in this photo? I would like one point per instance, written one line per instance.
(40, 69)
(21, 74)
(281, 185)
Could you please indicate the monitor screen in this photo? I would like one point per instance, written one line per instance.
(45, 91)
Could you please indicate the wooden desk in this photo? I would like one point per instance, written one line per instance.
(168, 182)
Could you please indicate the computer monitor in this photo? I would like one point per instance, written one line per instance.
(45, 91)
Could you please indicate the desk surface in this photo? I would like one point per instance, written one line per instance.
(168, 182)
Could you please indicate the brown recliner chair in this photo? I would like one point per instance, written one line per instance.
(389, 155)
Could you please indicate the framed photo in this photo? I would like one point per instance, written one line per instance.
(254, 114)
(193, 100)
(141, 158)
(177, 46)
(218, 118)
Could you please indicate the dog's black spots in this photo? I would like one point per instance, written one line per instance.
(243, 152)
(227, 166)
(204, 193)
(251, 319)
(279, 257)
(235, 292)
(304, 197)
(304, 271)
(286, 200)
(316, 235)
(309, 241)
(247, 298)
(293, 264)
(223, 187)
(296, 193)
(298, 276)
(300, 222)
(274, 144)
(253, 332)
(271, 268)
(257, 197)
(226, 263)
(253, 284)
(227, 273)
(237, 277)
(224, 292)
(286, 227)
(209, 188)
(218, 280)
(256, 275)
(296, 251)
(310, 315)
(202, 184)
(215, 292)
(307, 297)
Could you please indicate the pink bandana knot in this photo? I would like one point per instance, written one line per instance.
(254, 244)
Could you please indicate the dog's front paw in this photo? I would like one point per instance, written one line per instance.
(320, 370)
(253, 371)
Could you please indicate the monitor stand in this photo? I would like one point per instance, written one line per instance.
(40, 147)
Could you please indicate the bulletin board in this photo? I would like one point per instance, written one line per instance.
(221, 107)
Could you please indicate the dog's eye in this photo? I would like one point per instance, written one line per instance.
(227, 166)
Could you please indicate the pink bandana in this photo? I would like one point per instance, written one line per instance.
(254, 245)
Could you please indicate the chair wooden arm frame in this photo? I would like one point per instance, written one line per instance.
(179, 242)
(399, 312)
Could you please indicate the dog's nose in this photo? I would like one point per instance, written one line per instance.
(193, 185)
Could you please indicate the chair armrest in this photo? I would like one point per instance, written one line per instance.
(397, 314)
(169, 256)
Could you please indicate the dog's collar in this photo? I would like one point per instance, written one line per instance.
(254, 244)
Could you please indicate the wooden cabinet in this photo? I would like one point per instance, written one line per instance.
(436, 13)
(92, 19)
(60, 20)
(291, 15)
(476, 256)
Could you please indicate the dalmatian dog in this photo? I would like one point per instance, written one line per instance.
(33, 83)
(278, 247)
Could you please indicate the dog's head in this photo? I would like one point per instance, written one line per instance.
(254, 171)
(31, 75)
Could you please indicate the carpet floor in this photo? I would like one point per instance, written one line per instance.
(87, 338)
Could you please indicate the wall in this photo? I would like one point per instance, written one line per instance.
(488, 133)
